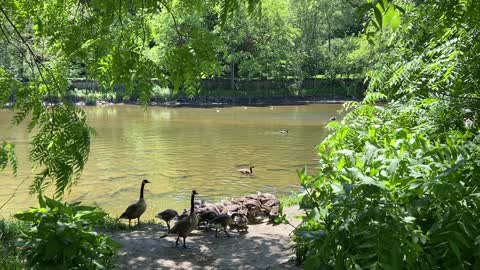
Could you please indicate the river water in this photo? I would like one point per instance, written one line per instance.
(180, 149)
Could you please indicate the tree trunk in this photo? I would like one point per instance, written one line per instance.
(232, 76)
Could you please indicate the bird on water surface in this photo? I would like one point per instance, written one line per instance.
(135, 210)
(246, 171)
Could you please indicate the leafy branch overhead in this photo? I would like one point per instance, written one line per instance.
(110, 40)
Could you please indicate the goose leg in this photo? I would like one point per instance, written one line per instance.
(129, 222)
(184, 243)
(178, 238)
(216, 232)
(138, 222)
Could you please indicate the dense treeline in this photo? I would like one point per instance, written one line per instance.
(287, 39)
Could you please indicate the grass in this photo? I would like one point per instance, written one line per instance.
(9, 245)
(293, 198)
(115, 224)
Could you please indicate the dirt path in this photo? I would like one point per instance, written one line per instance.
(264, 247)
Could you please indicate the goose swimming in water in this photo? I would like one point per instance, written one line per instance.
(246, 171)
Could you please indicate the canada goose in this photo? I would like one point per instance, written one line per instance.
(247, 171)
(240, 222)
(283, 132)
(167, 215)
(184, 226)
(183, 215)
(134, 211)
(221, 221)
(206, 217)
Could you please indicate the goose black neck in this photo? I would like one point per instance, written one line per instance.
(141, 190)
(191, 203)
(251, 169)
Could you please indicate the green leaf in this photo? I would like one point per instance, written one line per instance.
(378, 15)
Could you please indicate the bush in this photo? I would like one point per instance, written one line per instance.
(59, 236)
(91, 99)
(9, 257)
(392, 198)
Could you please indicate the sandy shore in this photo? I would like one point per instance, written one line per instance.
(265, 246)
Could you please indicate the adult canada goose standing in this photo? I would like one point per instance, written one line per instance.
(184, 226)
(247, 171)
(167, 215)
(134, 211)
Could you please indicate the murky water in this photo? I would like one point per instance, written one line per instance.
(180, 149)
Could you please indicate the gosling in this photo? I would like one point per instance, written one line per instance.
(167, 215)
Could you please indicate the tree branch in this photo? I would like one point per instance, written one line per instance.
(177, 28)
(14, 192)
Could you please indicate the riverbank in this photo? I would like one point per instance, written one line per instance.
(265, 246)
(213, 103)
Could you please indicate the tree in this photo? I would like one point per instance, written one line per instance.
(110, 39)
(396, 184)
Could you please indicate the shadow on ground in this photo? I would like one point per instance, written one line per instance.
(263, 247)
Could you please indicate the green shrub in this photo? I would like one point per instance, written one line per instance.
(392, 198)
(60, 236)
(91, 99)
(9, 257)
(289, 200)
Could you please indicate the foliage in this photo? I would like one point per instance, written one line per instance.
(9, 257)
(7, 155)
(292, 199)
(397, 185)
(59, 236)
(49, 41)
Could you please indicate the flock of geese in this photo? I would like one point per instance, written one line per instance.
(190, 220)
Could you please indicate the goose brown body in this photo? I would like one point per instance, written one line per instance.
(247, 171)
(221, 221)
(135, 210)
(167, 215)
(186, 225)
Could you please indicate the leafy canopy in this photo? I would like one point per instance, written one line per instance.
(110, 39)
